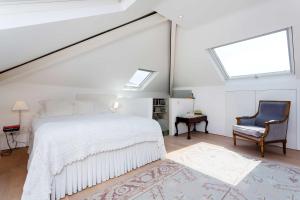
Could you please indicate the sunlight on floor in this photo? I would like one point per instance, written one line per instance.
(215, 161)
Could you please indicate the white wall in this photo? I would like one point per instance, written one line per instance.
(238, 103)
(133, 105)
(178, 107)
(136, 106)
(223, 100)
(101, 70)
(239, 98)
(32, 94)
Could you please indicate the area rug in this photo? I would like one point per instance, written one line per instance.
(208, 172)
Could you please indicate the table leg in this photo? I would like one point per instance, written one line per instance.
(195, 130)
(206, 126)
(189, 131)
(176, 126)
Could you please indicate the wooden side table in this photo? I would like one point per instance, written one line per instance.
(191, 121)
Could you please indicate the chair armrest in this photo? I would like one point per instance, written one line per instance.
(245, 120)
(276, 129)
(274, 122)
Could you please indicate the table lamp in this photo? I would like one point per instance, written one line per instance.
(20, 106)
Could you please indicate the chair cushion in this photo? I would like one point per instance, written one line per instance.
(249, 130)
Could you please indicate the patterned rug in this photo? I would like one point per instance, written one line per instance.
(208, 172)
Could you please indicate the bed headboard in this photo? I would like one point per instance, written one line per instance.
(103, 100)
(134, 106)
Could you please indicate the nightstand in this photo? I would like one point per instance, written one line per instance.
(193, 120)
(10, 131)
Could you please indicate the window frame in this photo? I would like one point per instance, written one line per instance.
(218, 62)
(142, 84)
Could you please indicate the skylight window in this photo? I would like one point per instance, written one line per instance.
(139, 79)
(269, 54)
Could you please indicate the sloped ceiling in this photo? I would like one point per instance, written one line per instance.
(19, 45)
(109, 67)
(191, 13)
(22, 44)
(30, 12)
(194, 66)
(204, 24)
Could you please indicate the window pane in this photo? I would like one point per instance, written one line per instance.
(138, 78)
(265, 54)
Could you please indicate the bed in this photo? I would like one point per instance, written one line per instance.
(71, 153)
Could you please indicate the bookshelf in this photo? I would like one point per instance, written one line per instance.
(160, 114)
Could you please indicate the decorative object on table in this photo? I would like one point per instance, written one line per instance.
(268, 125)
(191, 119)
(198, 112)
(20, 106)
(189, 115)
(10, 131)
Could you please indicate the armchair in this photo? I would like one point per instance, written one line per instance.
(268, 125)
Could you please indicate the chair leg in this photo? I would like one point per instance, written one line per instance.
(284, 147)
(262, 148)
(234, 139)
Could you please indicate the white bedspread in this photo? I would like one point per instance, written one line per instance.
(59, 141)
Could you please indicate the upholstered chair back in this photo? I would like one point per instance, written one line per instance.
(271, 110)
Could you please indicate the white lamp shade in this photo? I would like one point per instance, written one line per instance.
(20, 105)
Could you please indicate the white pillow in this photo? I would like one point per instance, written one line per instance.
(84, 107)
(58, 107)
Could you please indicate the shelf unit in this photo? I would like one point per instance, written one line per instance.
(160, 113)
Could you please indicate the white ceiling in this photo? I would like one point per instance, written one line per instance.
(30, 12)
(22, 44)
(205, 23)
(108, 67)
(199, 12)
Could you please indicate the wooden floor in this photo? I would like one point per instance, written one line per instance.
(13, 167)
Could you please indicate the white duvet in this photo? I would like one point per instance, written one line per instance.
(59, 141)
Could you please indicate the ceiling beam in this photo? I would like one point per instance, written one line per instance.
(172, 56)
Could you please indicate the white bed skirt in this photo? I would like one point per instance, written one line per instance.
(100, 167)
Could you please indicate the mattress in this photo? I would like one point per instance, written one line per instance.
(61, 141)
(98, 168)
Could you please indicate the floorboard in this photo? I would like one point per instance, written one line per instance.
(13, 167)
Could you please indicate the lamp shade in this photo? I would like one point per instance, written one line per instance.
(20, 105)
